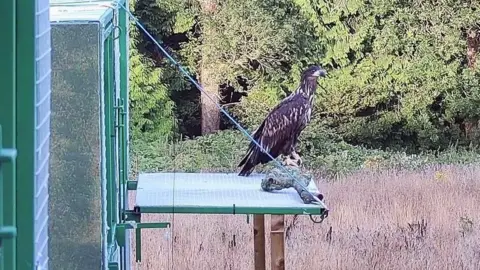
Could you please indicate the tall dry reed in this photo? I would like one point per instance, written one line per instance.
(426, 219)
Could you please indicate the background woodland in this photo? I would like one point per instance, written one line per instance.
(393, 138)
(403, 87)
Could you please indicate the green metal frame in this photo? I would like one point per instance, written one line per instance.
(117, 189)
(111, 135)
(25, 121)
(109, 98)
(115, 134)
(8, 25)
(232, 210)
(123, 23)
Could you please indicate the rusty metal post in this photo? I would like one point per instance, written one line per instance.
(259, 241)
(277, 235)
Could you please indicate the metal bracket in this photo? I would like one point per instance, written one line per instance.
(133, 215)
(132, 185)
(121, 234)
(133, 218)
(121, 229)
(322, 217)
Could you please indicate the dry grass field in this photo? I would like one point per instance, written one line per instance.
(425, 219)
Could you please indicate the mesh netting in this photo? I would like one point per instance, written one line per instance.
(75, 179)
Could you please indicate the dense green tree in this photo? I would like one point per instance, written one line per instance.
(398, 72)
(401, 73)
(247, 46)
(151, 109)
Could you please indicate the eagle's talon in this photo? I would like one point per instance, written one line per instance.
(296, 158)
(299, 161)
(290, 162)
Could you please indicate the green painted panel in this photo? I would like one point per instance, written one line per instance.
(7, 121)
(123, 134)
(25, 109)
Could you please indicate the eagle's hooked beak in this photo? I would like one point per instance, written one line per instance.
(320, 73)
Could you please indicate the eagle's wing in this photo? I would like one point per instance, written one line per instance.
(278, 131)
(284, 122)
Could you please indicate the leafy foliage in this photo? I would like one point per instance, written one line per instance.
(150, 105)
(244, 39)
(221, 152)
(151, 108)
(398, 72)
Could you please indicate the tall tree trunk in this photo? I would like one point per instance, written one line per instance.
(473, 44)
(210, 112)
(210, 116)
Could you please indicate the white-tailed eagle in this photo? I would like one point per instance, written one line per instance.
(279, 132)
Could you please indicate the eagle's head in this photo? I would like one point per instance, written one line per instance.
(314, 72)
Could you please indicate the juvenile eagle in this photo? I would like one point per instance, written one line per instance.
(280, 130)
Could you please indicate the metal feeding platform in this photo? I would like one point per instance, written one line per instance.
(217, 193)
(222, 193)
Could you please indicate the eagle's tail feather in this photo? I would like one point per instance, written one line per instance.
(254, 155)
(249, 161)
(253, 158)
(247, 169)
(245, 158)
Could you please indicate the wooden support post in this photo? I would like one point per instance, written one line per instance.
(259, 241)
(277, 235)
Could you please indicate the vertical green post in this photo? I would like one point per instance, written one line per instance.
(25, 80)
(110, 136)
(123, 136)
(123, 41)
(7, 121)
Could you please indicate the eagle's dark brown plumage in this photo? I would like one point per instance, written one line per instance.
(280, 130)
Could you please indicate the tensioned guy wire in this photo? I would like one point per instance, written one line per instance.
(216, 104)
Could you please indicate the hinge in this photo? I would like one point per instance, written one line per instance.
(113, 266)
(7, 232)
(120, 113)
(7, 155)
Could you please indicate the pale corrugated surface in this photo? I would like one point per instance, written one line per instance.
(42, 153)
(96, 11)
(203, 190)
